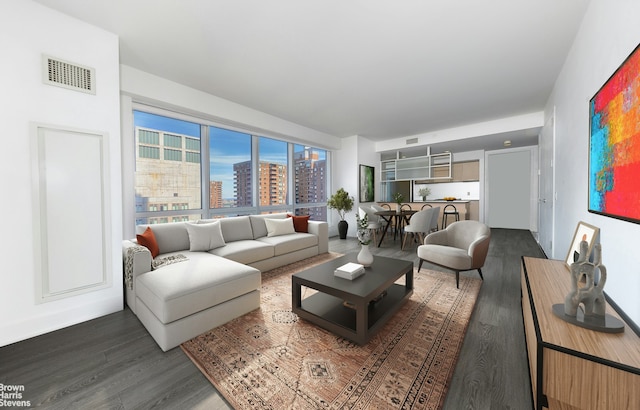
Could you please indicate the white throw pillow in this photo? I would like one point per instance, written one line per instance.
(277, 227)
(204, 237)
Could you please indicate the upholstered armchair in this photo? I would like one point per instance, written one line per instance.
(462, 246)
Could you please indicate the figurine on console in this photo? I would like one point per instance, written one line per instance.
(591, 295)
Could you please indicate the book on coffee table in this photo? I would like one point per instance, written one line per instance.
(349, 271)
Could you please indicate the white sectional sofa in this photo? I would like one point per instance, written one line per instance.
(209, 273)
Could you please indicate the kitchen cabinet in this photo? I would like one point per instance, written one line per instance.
(466, 171)
(436, 166)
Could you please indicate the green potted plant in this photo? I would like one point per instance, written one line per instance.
(398, 197)
(343, 203)
(424, 193)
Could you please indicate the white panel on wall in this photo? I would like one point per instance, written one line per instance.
(70, 187)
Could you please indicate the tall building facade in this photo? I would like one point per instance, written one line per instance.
(311, 181)
(242, 183)
(272, 183)
(215, 194)
(167, 173)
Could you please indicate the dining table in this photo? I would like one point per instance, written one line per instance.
(400, 217)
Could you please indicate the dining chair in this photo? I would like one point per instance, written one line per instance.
(373, 220)
(419, 224)
(434, 219)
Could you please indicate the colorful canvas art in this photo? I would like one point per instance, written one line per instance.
(614, 151)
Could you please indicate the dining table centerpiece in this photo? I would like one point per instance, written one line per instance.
(398, 197)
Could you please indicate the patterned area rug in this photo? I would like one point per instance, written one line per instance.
(270, 359)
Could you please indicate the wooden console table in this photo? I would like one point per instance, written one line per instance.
(572, 367)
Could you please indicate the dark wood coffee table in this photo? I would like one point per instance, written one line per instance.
(367, 311)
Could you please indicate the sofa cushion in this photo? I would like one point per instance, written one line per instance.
(171, 237)
(277, 227)
(148, 240)
(247, 251)
(204, 237)
(204, 280)
(455, 258)
(289, 243)
(237, 228)
(300, 223)
(259, 227)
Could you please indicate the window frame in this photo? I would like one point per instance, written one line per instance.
(205, 211)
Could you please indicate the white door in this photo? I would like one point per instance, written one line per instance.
(508, 190)
(547, 181)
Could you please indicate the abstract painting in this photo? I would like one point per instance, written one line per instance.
(614, 146)
(367, 185)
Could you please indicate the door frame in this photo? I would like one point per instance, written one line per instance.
(547, 193)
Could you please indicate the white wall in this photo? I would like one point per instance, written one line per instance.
(27, 30)
(509, 124)
(356, 151)
(154, 90)
(608, 34)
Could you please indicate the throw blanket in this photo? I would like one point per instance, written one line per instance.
(155, 263)
(167, 260)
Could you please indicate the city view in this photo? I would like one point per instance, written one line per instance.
(169, 173)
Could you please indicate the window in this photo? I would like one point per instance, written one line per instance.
(165, 180)
(230, 169)
(247, 174)
(272, 172)
(174, 141)
(148, 152)
(192, 157)
(149, 137)
(172, 155)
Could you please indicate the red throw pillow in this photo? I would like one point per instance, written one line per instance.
(300, 223)
(148, 240)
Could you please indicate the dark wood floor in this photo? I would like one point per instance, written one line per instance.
(113, 363)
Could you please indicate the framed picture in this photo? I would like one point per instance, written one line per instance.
(614, 144)
(584, 232)
(367, 185)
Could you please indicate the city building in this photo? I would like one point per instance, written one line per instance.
(167, 174)
(215, 194)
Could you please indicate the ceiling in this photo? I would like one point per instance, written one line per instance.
(380, 69)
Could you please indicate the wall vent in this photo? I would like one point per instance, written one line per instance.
(412, 141)
(68, 75)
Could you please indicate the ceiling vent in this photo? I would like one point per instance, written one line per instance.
(68, 75)
(412, 141)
